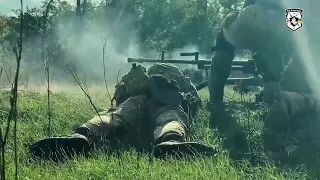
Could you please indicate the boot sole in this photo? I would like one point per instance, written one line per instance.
(57, 149)
(183, 150)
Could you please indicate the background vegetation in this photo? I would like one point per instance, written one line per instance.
(70, 109)
(58, 33)
(62, 33)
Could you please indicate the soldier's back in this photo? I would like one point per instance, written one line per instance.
(172, 72)
(258, 28)
(261, 27)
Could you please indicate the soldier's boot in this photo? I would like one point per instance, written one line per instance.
(172, 144)
(59, 148)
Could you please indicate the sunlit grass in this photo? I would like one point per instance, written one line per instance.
(71, 109)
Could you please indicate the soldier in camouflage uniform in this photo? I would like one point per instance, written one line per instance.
(253, 29)
(156, 105)
(291, 128)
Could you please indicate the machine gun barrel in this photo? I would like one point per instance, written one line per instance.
(172, 61)
(190, 54)
(181, 61)
(246, 66)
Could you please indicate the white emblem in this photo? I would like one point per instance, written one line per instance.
(294, 19)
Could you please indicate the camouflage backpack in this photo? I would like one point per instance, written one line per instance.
(167, 85)
(189, 95)
(136, 80)
(172, 73)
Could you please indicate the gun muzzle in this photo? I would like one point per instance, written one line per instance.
(189, 54)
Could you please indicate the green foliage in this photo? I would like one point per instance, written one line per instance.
(60, 36)
(159, 24)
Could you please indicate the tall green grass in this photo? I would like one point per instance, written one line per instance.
(70, 109)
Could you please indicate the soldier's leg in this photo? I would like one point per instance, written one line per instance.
(124, 118)
(169, 119)
(170, 124)
(170, 134)
(127, 116)
(291, 127)
(220, 68)
(242, 30)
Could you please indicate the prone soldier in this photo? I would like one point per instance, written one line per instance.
(155, 106)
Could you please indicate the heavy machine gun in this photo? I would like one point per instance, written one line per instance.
(245, 66)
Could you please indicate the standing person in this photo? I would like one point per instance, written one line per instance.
(258, 27)
(291, 130)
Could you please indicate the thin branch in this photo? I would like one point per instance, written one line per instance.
(114, 96)
(46, 13)
(47, 73)
(46, 65)
(3, 172)
(2, 148)
(13, 101)
(84, 89)
(13, 114)
(16, 94)
(1, 71)
(5, 71)
(118, 75)
(104, 42)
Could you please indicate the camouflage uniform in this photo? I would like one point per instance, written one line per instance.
(166, 112)
(291, 124)
(154, 106)
(253, 29)
(291, 131)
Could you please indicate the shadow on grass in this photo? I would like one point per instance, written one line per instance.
(240, 126)
(233, 138)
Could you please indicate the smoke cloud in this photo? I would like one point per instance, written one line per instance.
(82, 44)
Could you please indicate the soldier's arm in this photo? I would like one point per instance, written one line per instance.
(221, 62)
